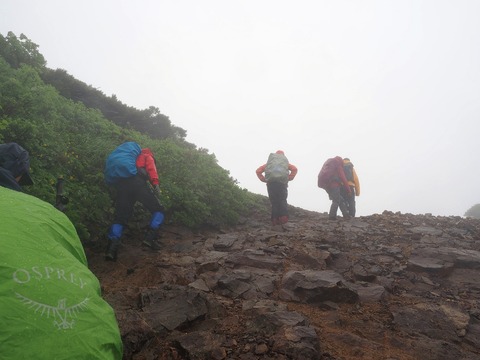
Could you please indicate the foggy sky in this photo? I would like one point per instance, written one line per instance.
(393, 85)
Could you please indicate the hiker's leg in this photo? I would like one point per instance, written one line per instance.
(124, 202)
(151, 235)
(114, 235)
(337, 202)
(123, 211)
(332, 214)
(275, 195)
(343, 207)
(345, 196)
(351, 202)
(351, 208)
(147, 198)
(283, 204)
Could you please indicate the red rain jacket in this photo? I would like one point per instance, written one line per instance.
(147, 161)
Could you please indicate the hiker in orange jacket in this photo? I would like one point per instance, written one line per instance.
(277, 186)
(354, 183)
(332, 179)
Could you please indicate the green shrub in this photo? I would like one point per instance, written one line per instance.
(66, 139)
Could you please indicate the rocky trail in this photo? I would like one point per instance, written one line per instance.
(385, 286)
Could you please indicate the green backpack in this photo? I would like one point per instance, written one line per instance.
(277, 168)
(50, 302)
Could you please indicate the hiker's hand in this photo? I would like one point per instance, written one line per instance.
(348, 190)
(156, 190)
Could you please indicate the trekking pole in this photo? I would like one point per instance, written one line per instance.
(61, 200)
(155, 193)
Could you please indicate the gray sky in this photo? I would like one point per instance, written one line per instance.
(394, 85)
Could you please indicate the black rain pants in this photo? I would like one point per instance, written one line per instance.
(129, 191)
(278, 193)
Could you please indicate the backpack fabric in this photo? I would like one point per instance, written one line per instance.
(50, 302)
(348, 169)
(121, 163)
(277, 168)
(8, 180)
(14, 162)
(328, 173)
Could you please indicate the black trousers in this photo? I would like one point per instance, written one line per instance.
(278, 193)
(129, 191)
(338, 201)
(349, 200)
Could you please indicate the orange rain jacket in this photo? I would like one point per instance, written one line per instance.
(292, 168)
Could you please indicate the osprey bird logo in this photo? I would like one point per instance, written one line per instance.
(62, 315)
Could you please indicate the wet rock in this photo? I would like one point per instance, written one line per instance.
(261, 349)
(362, 273)
(233, 286)
(316, 286)
(299, 342)
(201, 345)
(443, 260)
(369, 292)
(385, 286)
(431, 265)
(225, 242)
(443, 323)
(199, 284)
(168, 309)
(426, 230)
(317, 262)
(472, 336)
(254, 258)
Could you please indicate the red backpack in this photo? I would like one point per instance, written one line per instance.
(328, 173)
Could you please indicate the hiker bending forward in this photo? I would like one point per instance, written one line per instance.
(278, 172)
(131, 188)
(332, 178)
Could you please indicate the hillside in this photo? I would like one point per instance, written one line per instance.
(69, 129)
(389, 286)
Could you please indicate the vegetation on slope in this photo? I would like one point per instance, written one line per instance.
(473, 212)
(71, 139)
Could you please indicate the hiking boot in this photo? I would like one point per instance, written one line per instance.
(112, 249)
(151, 240)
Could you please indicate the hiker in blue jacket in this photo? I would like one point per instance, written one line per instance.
(130, 169)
